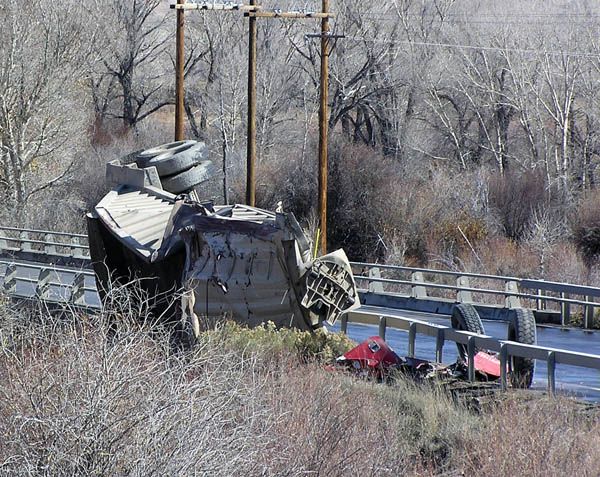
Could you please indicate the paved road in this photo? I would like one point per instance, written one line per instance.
(570, 379)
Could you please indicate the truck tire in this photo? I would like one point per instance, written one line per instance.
(174, 147)
(521, 329)
(177, 159)
(465, 318)
(186, 180)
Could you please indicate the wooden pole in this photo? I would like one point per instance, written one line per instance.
(323, 128)
(179, 74)
(251, 141)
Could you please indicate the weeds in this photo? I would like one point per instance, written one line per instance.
(78, 400)
(267, 340)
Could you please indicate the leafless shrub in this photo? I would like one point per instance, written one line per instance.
(502, 256)
(515, 197)
(586, 229)
(350, 428)
(545, 232)
(75, 402)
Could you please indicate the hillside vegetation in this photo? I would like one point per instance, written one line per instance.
(81, 398)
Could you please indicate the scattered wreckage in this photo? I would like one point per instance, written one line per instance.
(375, 359)
(251, 264)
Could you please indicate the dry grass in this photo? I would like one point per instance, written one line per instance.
(76, 402)
(537, 437)
(80, 400)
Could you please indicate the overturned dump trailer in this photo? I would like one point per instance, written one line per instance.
(251, 264)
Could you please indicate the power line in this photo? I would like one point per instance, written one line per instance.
(492, 15)
(474, 47)
(562, 22)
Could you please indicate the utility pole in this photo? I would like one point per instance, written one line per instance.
(323, 127)
(252, 68)
(181, 7)
(179, 73)
(253, 11)
(251, 140)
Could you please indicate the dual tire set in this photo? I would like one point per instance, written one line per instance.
(521, 328)
(181, 165)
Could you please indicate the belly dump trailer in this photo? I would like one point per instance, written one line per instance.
(248, 263)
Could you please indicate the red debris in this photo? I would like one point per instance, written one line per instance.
(373, 357)
(487, 363)
(372, 353)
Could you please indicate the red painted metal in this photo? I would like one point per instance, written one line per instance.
(372, 353)
(487, 363)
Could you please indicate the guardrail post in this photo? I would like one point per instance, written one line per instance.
(3, 243)
(375, 287)
(412, 335)
(540, 304)
(382, 327)
(551, 364)
(439, 345)
(471, 357)
(49, 248)
(565, 309)
(418, 291)
(24, 244)
(10, 279)
(78, 290)
(344, 324)
(43, 283)
(463, 296)
(588, 317)
(511, 300)
(503, 365)
(75, 250)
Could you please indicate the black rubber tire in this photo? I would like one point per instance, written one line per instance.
(170, 163)
(173, 147)
(465, 318)
(178, 159)
(521, 329)
(186, 180)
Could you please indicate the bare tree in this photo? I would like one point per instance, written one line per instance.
(41, 119)
(134, 40)
(561, 74)
(545, 232)
(216, 87)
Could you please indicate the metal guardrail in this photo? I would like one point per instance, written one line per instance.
(31, 243)
(48, 283)
(512, 289)
(504, 348)
(44, 242)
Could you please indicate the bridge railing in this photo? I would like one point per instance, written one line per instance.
(49, 283)
(419, 283)
(43, 242)
(505, 349)
(508, 292)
